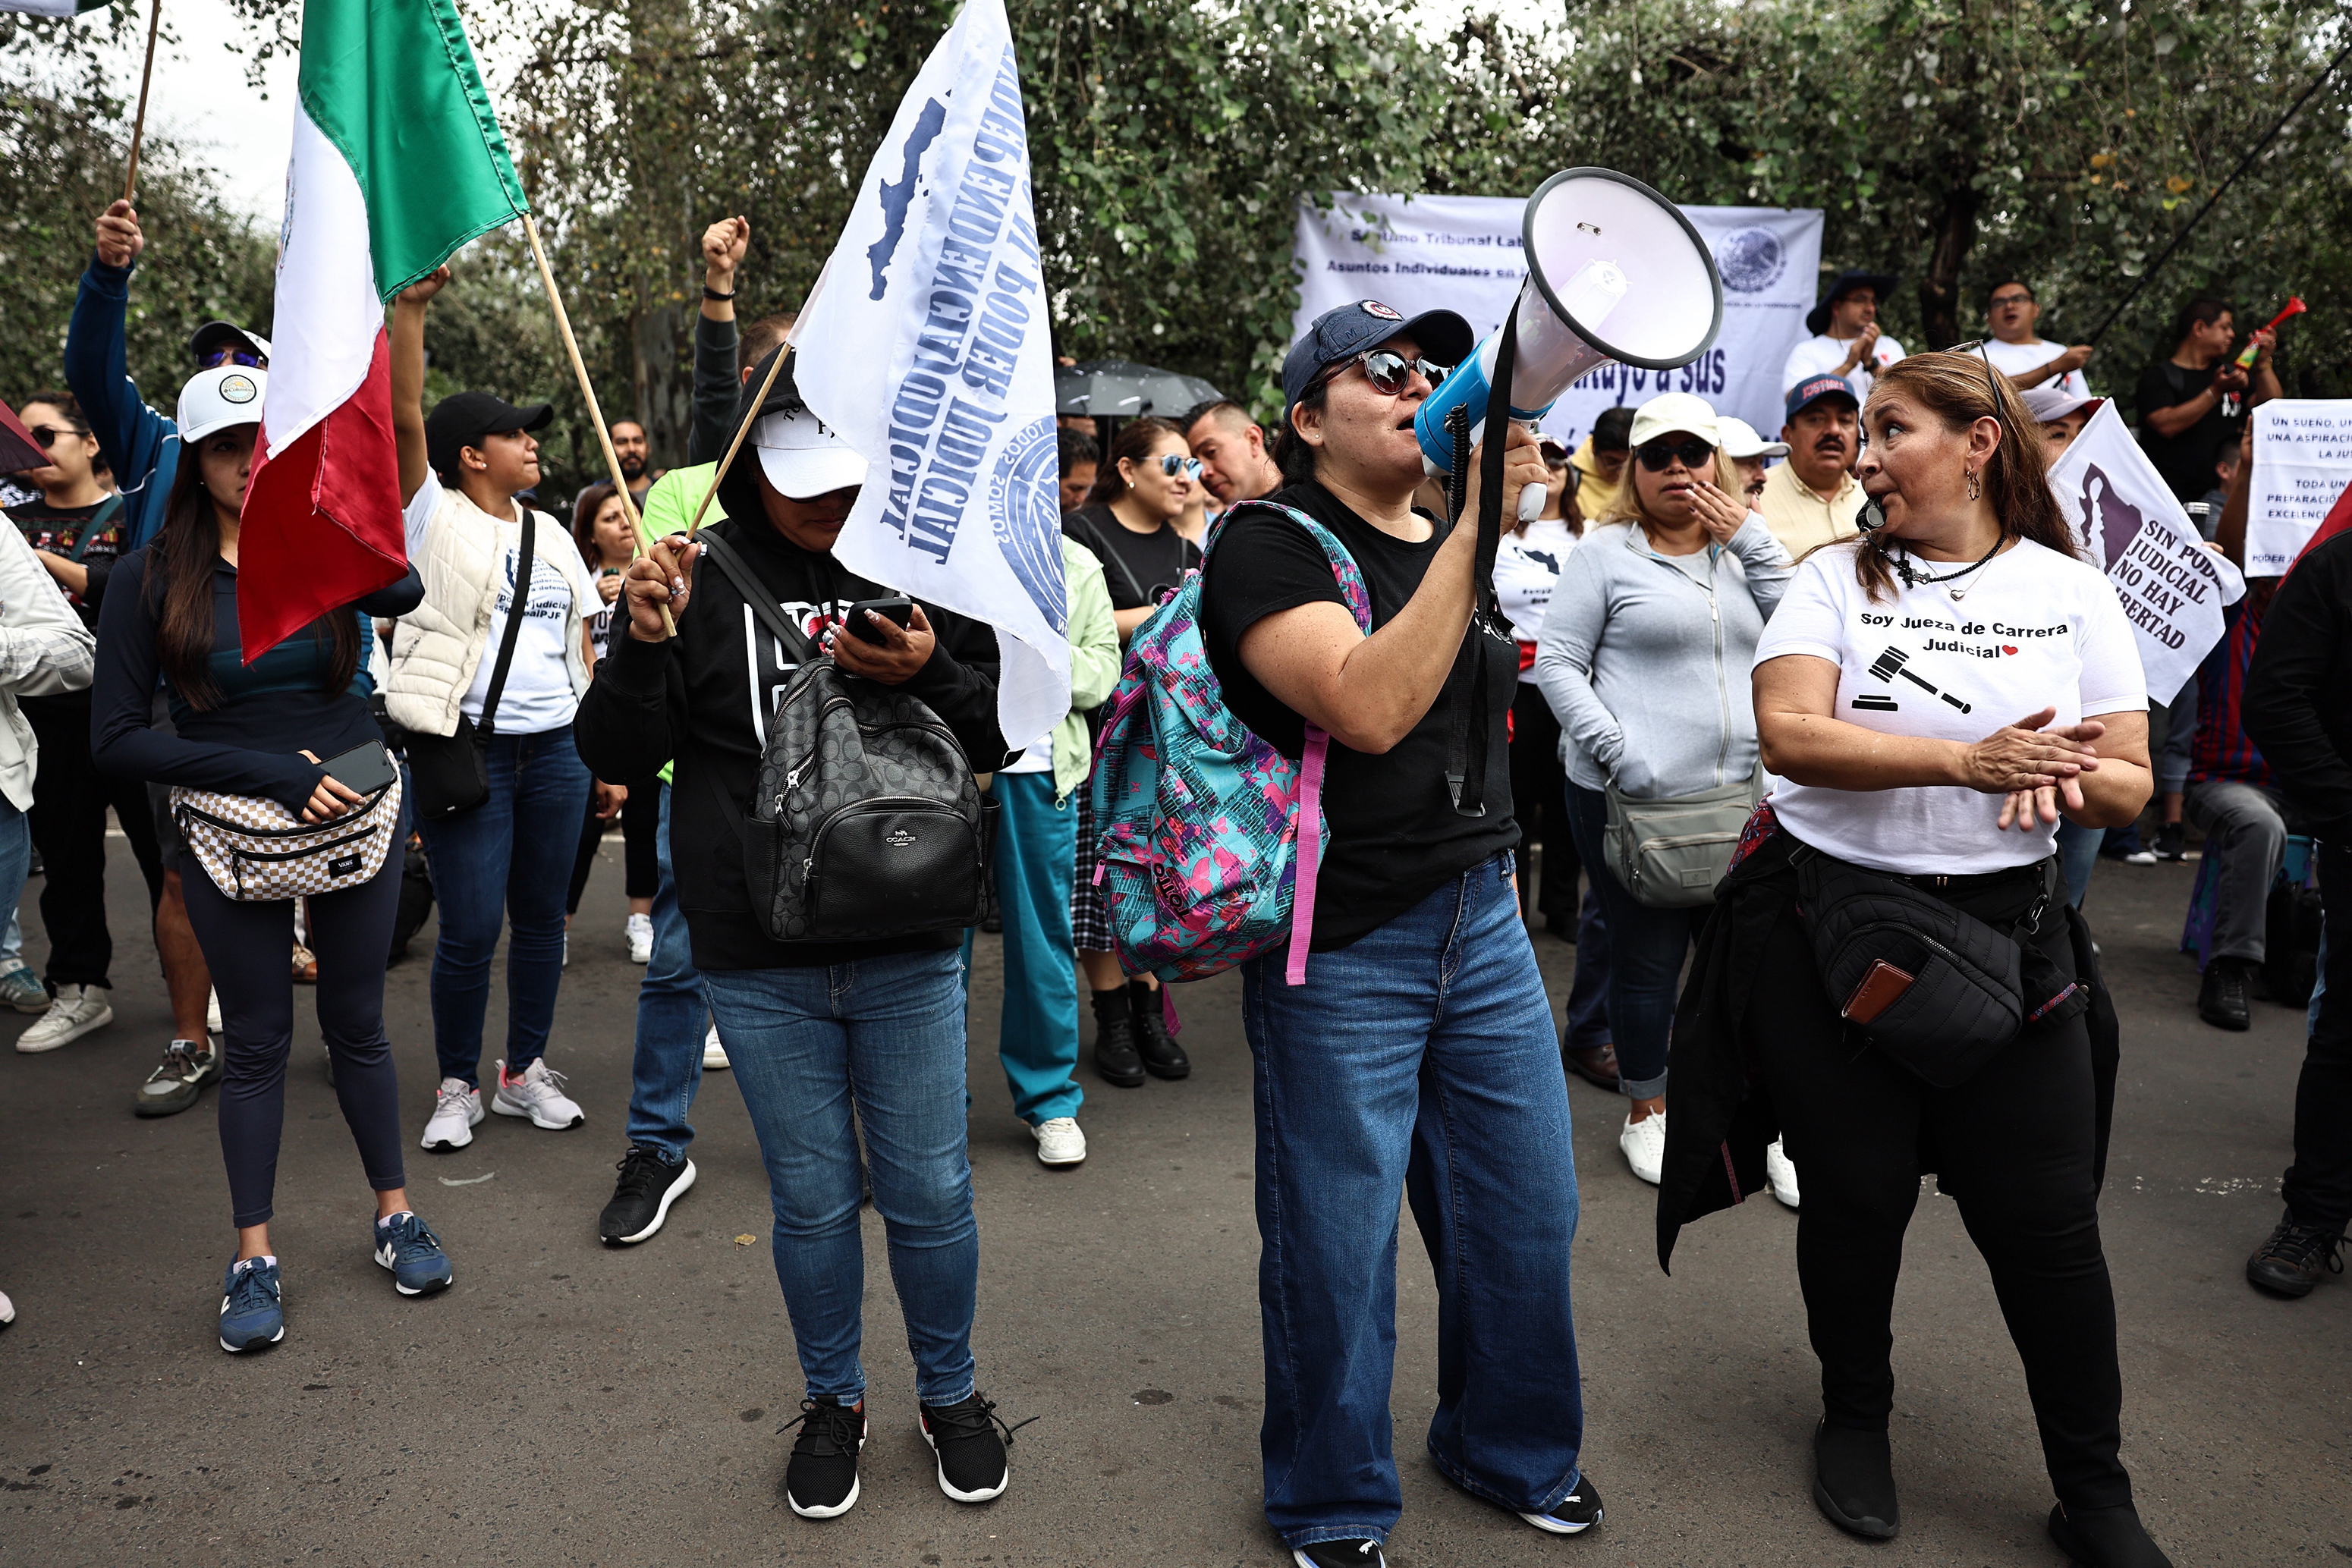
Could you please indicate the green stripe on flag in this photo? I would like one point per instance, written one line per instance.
(392, 84)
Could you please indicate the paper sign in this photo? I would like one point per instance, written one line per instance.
(2303, 461)
(2171, 586)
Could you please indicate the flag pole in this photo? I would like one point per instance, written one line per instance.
(139, 123)
(750, 417)
(588, 392)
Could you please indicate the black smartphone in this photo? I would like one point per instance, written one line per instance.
(902, 610)
(366, 767)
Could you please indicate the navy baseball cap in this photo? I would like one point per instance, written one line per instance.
(1812, 389)
(1346, 330)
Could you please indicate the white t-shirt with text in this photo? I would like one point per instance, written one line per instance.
(1526, 570)
(2031, 628)
(538, 695)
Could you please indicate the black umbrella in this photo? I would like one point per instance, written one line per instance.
(1121, 389)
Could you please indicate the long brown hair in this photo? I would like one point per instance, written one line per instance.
(583, 521)
(1960, 390)
(180, 582)
(1134, 441)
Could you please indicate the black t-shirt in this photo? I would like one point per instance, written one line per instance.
(59, 529)
(2184, 460)
(1395, 835)
(1138, 567)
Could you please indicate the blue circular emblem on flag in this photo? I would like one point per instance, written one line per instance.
(1750, 260)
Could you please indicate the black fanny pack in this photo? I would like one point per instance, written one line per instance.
(1931, 986)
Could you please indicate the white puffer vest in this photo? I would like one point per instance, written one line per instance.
(437, 646)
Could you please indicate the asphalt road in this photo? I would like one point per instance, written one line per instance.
(564, 1404)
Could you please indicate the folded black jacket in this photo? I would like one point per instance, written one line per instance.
(1724, 1119)
(702, 699)
(2297, 705)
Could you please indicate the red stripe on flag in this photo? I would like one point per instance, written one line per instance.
(320, 526)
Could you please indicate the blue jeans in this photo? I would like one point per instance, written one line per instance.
(1036, 861)
(508, 859)
(15, 859)
(1422, 1056)
(1586, 1011)
(1646, 948)
(2078, 857)
(667, 1070)
(886, 1037)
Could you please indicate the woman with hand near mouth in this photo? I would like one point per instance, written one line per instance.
(1656, 614)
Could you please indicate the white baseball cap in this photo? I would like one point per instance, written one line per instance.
(1670, 412)
(803, 457)
(219, 398)
(1740, 440)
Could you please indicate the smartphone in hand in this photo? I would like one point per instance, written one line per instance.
(901, 610)
(365, 767)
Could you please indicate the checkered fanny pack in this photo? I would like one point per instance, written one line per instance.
(256, 851)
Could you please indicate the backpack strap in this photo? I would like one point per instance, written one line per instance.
(518, 612)
(96, 523)
(762, 602)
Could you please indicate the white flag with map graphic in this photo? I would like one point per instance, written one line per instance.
(2173, 589)
(927, 345)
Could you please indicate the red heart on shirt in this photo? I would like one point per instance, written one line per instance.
(2006, 649)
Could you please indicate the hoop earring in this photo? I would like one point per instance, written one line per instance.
(1976, 485)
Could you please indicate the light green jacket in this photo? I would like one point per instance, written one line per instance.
(1094, 665)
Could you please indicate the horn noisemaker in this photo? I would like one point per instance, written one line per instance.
(1614, 272)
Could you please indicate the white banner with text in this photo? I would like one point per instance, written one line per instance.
(2303, 461)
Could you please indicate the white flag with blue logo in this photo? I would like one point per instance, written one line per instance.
(927, 345)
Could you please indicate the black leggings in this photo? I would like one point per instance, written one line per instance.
(640, 820)
(2014, 1145)
(68, 822)
(1539, 801)
(247, 946)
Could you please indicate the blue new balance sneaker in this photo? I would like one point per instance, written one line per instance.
(412, 1253)
(250, 1314)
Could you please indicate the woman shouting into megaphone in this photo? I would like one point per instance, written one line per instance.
(1415, 1048)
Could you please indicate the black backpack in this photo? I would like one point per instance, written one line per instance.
(867, 822)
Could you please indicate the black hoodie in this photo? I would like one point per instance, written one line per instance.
(703, 700)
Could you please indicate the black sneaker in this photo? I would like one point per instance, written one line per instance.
(1356, 1552)
(172, 1087)
(1115, 1054)
(2104, 1537)
(641, 1198)
(1162, 1056)
(1853, 1481)
(2290, 1263)
(821, 1478)
(2172, 843)
(2221, 995)
(968, 1440)
(1574, 1514)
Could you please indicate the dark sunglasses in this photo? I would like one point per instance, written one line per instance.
(1171, 465)
(1389, 372)
(45, 435)
(1657, 456)
(219, 357)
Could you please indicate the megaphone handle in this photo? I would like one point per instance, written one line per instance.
(1532, 498)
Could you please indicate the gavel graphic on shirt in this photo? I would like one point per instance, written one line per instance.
(1890, 664)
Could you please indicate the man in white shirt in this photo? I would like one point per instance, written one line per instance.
(1846, 342)
(2024, 358)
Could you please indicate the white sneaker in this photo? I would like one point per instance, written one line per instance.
(455, 1114)
(8, 1312)
(1780, 1171)
(567, 951)
(1059, 1142)
(641, 938)
(538, 1095)
(212, 1012)
(714, 1055)
(1645, 1143)
(73, 1012)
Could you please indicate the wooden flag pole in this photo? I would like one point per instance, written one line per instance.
(588, 393)
(750, 418)
(139, 123)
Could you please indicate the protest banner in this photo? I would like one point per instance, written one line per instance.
(2303, 461)
(926, 345)
(1462, 254)
(2172, 587)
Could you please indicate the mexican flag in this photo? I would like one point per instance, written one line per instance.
(397, 161)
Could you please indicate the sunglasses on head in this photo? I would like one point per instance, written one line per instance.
(1173, 466)
(1658, 456)
(1389, 372)
(45, 435)
(215, 358)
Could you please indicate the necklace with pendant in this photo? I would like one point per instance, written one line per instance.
(1917, 579)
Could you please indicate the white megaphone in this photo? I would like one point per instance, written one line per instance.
(1614, 272)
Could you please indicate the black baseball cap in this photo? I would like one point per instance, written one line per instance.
(214, 335)
(462, 419)
(1881, 283)
(1346, 330)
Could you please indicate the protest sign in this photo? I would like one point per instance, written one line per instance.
(2172, 587)
(1462, 254)
(2303, 461)
(926, 345)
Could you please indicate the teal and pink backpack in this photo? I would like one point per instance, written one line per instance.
(1198, 819)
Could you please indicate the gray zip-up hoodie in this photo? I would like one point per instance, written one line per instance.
(1647, 667)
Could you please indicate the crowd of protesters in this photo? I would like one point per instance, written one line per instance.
(1687, 631)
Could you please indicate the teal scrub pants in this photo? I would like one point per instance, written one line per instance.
(1036, 855)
